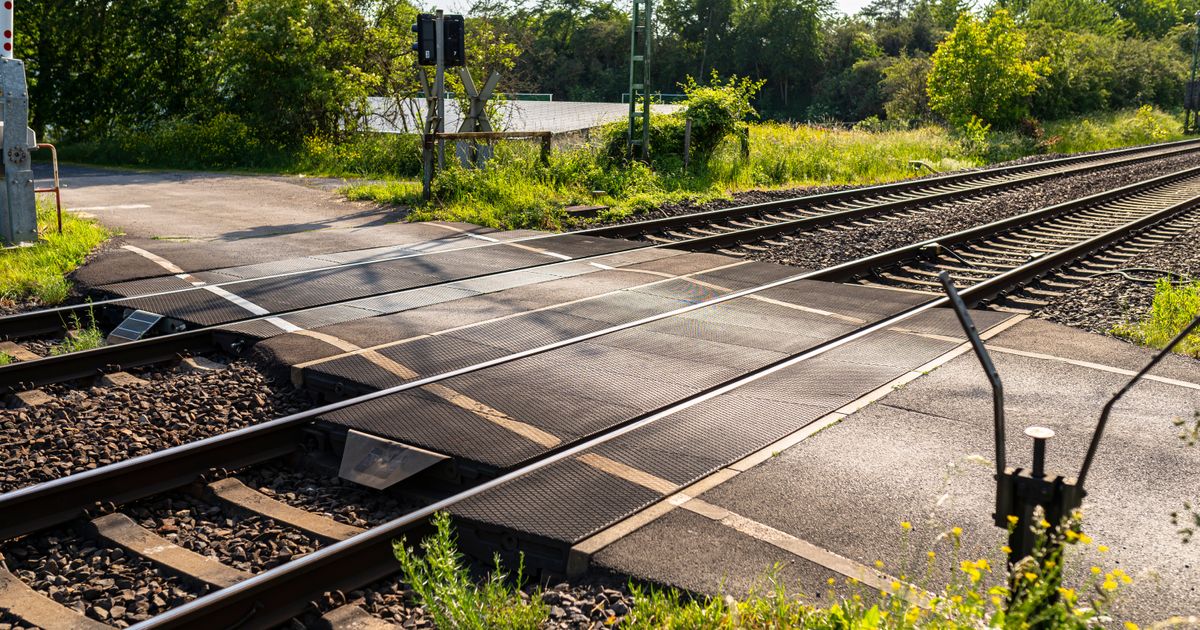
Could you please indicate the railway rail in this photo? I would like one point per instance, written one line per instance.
(1033, 246)
(729, 230)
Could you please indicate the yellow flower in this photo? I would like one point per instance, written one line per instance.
(957, 531)
(996, 601)
(905, 525)
(957, 599)
(1129, 625)
(1085, 539)
(932, 555)
(1029, 575)
(831, 581)
(1125, 579)
(1067, 593)
(851, 581)
(1095, 570)
(1109, 585)
(1006, 549)
(1072, 535)
(1050, 564)
(1012, 520)
(983, 564)
(895, 585)
(1102, 548)
(1044, 524)
(879, 564)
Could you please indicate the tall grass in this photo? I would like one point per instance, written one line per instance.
(1175, 305)
(39, 271)
(516, 191)
(449, 594)
(1113, 130)
(1031, 594)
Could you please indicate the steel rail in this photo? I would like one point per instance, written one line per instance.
(278, 594)
(52, 320)
(653, 226)
(41, 505)
(164, 347)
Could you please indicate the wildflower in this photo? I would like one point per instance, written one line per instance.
(905, 525)
(1006, 549)
(931, 555)
(851, 581)
(1072, 535)
(1044, 524)
(1050, 564)
(957, 599)
(1085, 539)
(983, 565)
(1102, 548)
(831, 581)
(879, 564)
(1012, 520)
(957, 531)
(1031, 576)
(1109, 584)
(895, 585)
(995, 601)
(1129, 625)
(1095, 570)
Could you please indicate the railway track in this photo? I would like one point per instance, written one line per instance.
(738, 230)
(1036, 245)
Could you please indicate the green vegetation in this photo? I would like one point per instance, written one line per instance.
(444, 587)
(80, 335)
(516, 191)
(6, 358)
(1031, 595)
(1175, 305)
(39, 271)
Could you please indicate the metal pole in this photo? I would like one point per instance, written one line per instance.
(439, 81)
(1099, 432)
(648, 40)
(1189, 116)
(633, 56)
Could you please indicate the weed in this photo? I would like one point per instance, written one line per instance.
(1175, 305)
(6, 358)
(445, 589)
(80, 336)
(39, 271)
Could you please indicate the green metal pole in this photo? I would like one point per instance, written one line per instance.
(633, 56)
(1189, 117)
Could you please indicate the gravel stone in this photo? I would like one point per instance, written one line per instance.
(247, 542)
(1105, 301)
(328, 495)
(87, 427)
(101, 583)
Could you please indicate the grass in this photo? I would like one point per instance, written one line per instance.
(80, 336)
(445, 588)
(1175, 305)
(39, 272)
(516, 191)
(976, 596)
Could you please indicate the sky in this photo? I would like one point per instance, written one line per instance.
(848, 7)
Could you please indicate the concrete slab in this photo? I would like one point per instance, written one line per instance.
(921, 454)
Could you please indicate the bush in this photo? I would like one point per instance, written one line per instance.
(717, 110)
(1175, 306)
(979, 72)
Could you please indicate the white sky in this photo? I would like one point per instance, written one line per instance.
(460, 6)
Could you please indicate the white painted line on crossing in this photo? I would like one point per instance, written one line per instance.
(131, 206)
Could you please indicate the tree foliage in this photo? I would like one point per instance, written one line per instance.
(980, 73)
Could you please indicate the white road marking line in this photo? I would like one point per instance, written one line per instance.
(280, 323)
(601, 266)
(130, 206)
(1093, 366)
(464, 232)
(155, 258)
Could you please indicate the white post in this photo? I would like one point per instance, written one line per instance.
(6, 29)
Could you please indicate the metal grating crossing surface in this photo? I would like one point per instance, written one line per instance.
(684, 447)
(310, 287)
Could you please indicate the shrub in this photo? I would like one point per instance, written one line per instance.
(1175, 305)
(979, 72)
(444, 587)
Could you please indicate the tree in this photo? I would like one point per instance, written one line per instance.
(903, 86)
(293, 68)
(979, 73)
